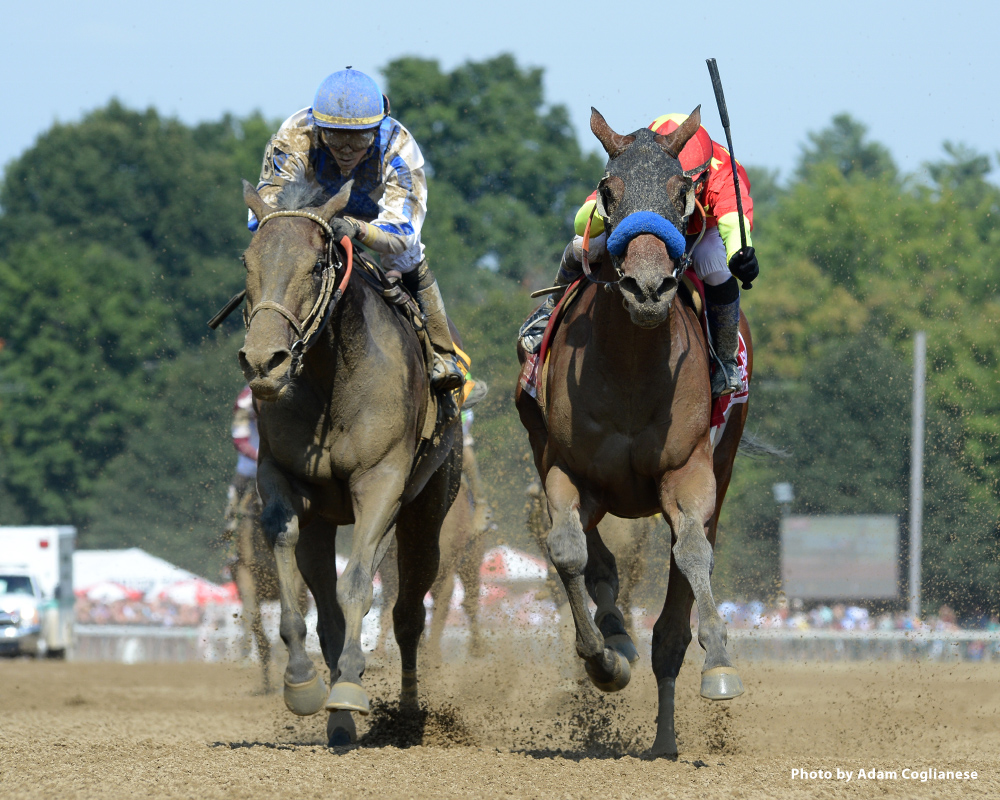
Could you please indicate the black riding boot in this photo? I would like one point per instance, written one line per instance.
(533, 329)
(723, 307)
(447, 373)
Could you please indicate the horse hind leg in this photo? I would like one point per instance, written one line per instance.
(317, 557)
(567, 546)
(601, 579)
(671, 637)
(418, 533)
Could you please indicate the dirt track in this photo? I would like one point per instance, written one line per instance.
(90, 730)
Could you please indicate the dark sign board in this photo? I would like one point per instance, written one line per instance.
(840, 557)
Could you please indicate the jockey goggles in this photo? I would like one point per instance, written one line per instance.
(347, 142)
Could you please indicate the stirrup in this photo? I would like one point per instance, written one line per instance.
(447, 375)
(726, 379)
(533, 330)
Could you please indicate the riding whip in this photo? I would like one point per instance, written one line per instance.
(720, 99)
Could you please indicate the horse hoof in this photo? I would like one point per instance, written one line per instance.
(622, 643)
(721, 683)
(346, 696)
(619, 677)
(340, 729)
(306, 698)
(666, 750)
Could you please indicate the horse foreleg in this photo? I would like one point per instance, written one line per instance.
(567, 546)
(375, 496)
(304, 688)
(688, 498)
(601, 577)
(389, 573)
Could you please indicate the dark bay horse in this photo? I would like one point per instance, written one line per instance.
(623, 426)
(342, 392)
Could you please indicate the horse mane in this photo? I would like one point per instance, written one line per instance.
(297, 195)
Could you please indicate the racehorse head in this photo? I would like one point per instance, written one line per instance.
(289, 273)
(645, 199)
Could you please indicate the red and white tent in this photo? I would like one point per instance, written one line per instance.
(505, 564)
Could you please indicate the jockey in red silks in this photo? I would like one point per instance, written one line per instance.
(347, 134)
(717, 259)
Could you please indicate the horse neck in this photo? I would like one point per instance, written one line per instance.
(346, 339)
(621, 343)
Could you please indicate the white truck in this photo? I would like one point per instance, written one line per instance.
(36, 590)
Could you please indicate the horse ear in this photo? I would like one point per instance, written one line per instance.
(337, 203)
(254, 201)
(614, 144)
(673, 143)
(680, 192)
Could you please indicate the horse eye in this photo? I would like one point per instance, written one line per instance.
(243, 260)
(318, 268)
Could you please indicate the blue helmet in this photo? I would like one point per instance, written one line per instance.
(349, 99)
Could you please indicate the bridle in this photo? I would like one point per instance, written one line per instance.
(309, 329)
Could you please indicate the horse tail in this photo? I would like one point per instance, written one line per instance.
(754, 447)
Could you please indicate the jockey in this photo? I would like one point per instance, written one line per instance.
(718, 259)
(242, 500)
(348, 134)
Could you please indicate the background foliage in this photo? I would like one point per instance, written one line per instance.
(120, 236)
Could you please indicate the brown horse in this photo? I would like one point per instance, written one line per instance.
(628, 538)
(623, 427)
(342, 391)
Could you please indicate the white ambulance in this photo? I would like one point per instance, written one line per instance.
(36, 590)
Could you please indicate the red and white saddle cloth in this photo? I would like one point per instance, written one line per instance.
(722, 407)
(532, 371)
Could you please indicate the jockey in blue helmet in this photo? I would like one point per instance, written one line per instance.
(348, 134)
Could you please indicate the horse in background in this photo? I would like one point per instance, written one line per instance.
(343, 396)
(622, 426)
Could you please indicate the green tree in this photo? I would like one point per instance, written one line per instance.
(844, 146)
(514, 163)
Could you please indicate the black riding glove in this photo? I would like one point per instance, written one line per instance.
(343, 227)
(744, 266)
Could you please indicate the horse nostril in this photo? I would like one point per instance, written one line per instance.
(244, 364)
(631, 285)
(277, 359)
(667, 285)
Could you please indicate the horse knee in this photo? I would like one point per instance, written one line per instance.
(274, 522)
(567, 546)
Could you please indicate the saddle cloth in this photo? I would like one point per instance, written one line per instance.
(532, 377)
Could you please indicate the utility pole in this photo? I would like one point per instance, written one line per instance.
(917, 471)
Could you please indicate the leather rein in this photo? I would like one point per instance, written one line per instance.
(309, 329)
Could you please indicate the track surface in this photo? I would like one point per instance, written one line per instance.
(496, 729)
